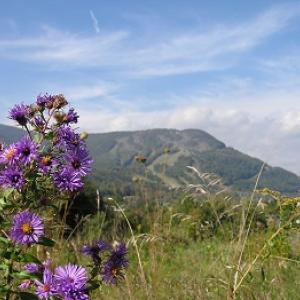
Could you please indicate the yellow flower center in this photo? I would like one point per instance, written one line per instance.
(10, 154)
(46, 288)
(115, 272)
(46, 160)
(26, 228)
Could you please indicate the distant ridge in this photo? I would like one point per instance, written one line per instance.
(167, 152)
(10, 134)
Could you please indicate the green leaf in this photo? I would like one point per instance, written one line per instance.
(8, 192)
(6, 254)
(49, 136)
(29, 258)
(25, 275)
(46, 242)
(3, 267)
(27, 296)
(10, 253)
(95, 272)
(4, 288)
(36, 137)
(2, 202)
(93, 285)
(4, 240)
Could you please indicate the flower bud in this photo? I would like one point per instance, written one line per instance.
(84, 135)
(59, 101)
(59, 116)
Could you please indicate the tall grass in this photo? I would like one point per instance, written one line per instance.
(206, 244)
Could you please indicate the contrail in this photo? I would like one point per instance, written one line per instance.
(95, 21)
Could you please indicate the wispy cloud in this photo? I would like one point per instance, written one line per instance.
(95, 22)
(98, 90)
(167, 54)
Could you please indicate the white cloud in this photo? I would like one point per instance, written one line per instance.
(290, 123)
(271, 134)
(87, 92)
(95, 22)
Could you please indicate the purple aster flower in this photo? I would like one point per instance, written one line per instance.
(95, 250)
(75, 295)
(79, 159)
(70, 278)
(45, 101)
(67, 179)
(67, 137)
(45, 163)
(72, 116)
(27, 150)
(26, 283)
(47, 263)
(33, 268)
(12, 177)
(27, 228)
(47, 287)
(113, 268)
(119, 255)
(39, 122)
(112, 272)
(9, 155)
(20, 113)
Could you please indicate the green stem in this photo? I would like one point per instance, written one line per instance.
(8, 280)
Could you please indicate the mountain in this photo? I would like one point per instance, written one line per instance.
(160, 156)
(169, 151)
(9, 134)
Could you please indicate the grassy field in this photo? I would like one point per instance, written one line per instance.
(200, 247)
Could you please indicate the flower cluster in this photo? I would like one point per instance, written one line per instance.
(50, 162)
(63, 157)
(67, 282)
(112, 268)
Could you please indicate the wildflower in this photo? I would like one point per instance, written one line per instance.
(20, 113)
(112, 272)
(45, 101)
(59, 116)
(26, 283)
(27, 150)
(9, 155)
(67, 179)
(79, 159)
(71, 280)
(72, 116)
(32, 268)
(39, 122)
(94, 250)
(46, 288)
(47, 263)
(75, 295)
(65, 136)
(45, 163)
(119, 254)
(27, 228)
(12, 177)
(59, 101)
(114, 266)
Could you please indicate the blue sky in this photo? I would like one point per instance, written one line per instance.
(231, 68)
